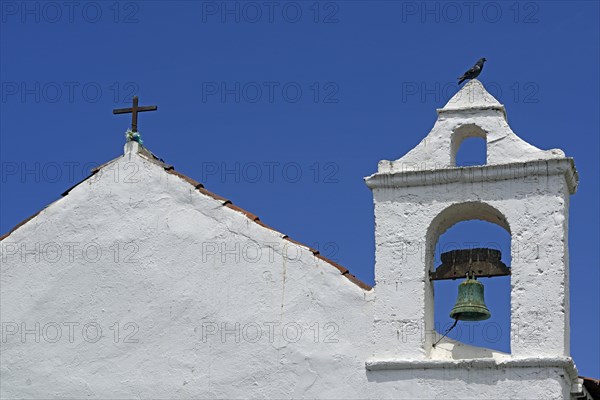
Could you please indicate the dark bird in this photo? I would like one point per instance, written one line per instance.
(473, 72)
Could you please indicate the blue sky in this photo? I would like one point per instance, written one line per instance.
(284, 107)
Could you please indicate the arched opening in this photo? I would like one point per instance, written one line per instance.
(466, 226)
(492, 333)
(469, 146)
(472, 151)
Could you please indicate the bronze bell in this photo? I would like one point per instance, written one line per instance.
(470, 305)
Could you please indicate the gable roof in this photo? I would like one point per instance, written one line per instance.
(149, 156)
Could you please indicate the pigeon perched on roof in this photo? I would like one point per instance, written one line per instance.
(473, 72)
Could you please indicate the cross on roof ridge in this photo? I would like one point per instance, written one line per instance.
(134, 110)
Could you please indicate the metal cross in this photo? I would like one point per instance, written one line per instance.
(134, 112)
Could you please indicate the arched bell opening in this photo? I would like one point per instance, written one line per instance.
(474, 237)
(468, 146)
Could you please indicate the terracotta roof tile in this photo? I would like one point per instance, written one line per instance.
(184, 177)
(358, 282)
(314, 251)
(215, 196)
(342, 269)
(246, 213)
(259, 222)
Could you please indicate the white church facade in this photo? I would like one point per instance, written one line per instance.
(140, 283)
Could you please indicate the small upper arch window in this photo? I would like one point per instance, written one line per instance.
(468, 146)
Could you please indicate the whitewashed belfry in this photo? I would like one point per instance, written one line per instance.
(418, 197)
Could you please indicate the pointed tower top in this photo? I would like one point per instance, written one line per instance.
(472, 96)
(472, 112)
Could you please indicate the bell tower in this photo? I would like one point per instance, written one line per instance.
(418, 197)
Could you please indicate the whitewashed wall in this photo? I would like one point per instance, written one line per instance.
(196, 300)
